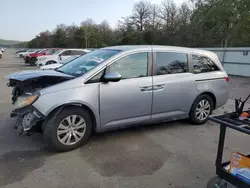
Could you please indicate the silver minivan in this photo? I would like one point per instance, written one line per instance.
(116, 87)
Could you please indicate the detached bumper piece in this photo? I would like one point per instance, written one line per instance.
(26, 120)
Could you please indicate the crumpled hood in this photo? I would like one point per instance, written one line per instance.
(30, 74)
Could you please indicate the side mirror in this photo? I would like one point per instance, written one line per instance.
(60, 56)
(112, 77)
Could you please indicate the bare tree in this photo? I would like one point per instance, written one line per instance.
(154, 18)
(141, 15)
(184, 14)
(169, 13)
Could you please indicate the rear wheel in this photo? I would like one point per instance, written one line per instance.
(202, 107)
(68, 130)
(21, 55)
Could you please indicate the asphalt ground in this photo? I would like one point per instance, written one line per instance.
(170, 155)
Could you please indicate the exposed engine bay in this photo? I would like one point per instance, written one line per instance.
(25, 84)
(32, 85)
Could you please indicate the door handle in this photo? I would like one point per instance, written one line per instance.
(146, 88)
(158, 87)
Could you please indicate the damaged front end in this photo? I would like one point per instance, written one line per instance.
(26, 90)
(32, 81)
(27, 120)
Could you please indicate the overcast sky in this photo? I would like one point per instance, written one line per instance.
(23, 19)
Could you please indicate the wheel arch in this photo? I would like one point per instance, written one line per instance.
(50, 61)
(210, 94)
(59, 108)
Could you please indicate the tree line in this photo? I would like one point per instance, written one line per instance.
(195, 23)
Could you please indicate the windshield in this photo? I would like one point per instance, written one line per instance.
(85, 63)
(69, 59)
(37, 51)
(57, 52)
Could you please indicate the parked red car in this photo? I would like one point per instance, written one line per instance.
(31, 58)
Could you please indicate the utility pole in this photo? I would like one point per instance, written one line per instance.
(86, 38)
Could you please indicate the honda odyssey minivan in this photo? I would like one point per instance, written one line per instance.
(116, 87)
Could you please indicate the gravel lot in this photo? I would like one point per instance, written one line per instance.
(172, 155)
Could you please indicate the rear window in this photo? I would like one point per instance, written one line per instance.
(203, 64)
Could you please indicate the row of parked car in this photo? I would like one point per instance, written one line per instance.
(49, 58)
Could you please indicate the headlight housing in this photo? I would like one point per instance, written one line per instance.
(25, 100)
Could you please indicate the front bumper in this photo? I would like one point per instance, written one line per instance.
(39, 63)
(26, 119)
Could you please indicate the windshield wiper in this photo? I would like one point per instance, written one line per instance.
(57, 70)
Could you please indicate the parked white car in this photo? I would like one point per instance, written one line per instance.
(59, 56)
(57, 65)
(23, 54)
(1, 54)
(2, 50)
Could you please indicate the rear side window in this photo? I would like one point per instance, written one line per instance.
(171, 63)
(67, 52)
(203, 64)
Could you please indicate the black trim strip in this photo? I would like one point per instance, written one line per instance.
(236, 63)
(210, 79)
(225, 50)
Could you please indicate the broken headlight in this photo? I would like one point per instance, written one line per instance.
(25, 100)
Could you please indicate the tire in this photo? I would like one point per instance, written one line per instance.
(32, 61)
(50, 62)
(215, 181)
(21, 55)
(196, 118)
(57, 122)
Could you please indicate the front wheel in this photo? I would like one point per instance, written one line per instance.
(68, 130)
(201, 109)
(32, 61)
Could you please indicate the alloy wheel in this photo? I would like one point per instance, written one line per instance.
(71, 130)
(203, 109)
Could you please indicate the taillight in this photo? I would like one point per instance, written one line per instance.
(227, 79)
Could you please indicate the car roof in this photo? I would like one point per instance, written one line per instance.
(160, 48)
(80, 49)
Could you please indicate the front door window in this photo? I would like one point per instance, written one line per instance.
(131, 66)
